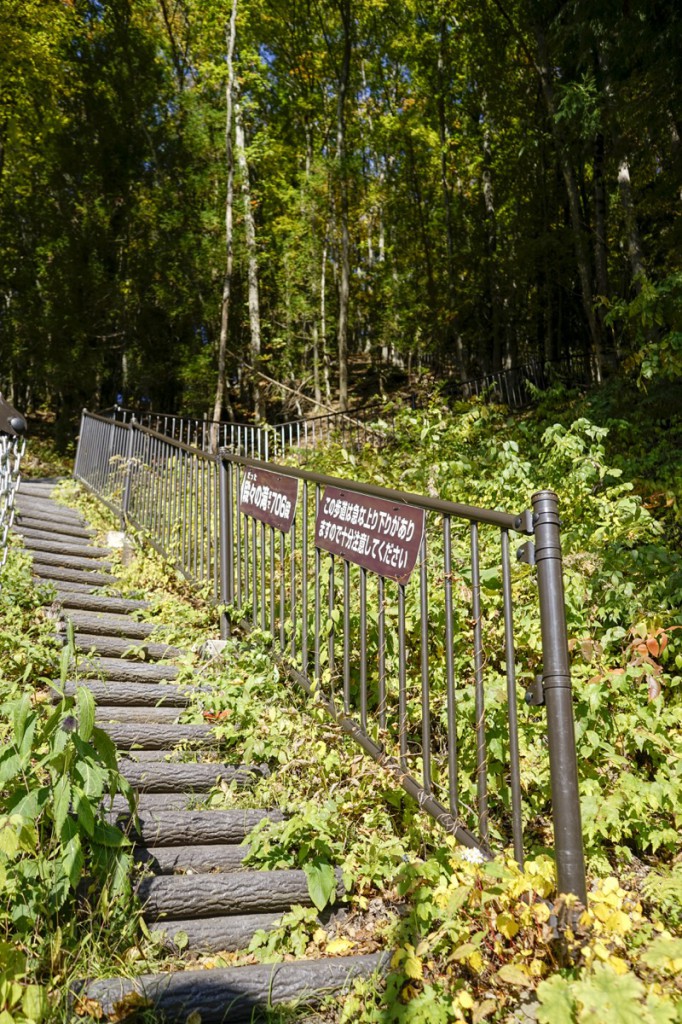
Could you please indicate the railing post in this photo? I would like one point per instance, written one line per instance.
(556, 680)
(225, 513)
(76, 464)
(128, 478)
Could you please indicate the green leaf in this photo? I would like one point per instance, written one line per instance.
(105, 748)
(34, 1003)
(321, 882)
(85, 813)
(557, 1005)
(86, 712)
(607, 996)
(73, 860)
(20, 712)
(61, 802)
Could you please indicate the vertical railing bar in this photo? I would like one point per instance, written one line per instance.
(261, 532)
(453, 780)
(254, 572)
(272, 584)
(424, 629)
(304, 580)
(332, 630)
(510, 658)
(238, 520)
(381, 629)
(292, 600)
(402, 678)
(282, 589)
(481, 752)
(363, 648)
(346, 636)
(317, 611)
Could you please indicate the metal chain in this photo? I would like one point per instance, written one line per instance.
(11, 453)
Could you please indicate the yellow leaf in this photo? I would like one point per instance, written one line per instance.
(618, 922)
(412, 966)
(319, 936)
(475, 962)
(602, 912)
(506, 925)
(601, 951)
(339, 946)
(465, 1000)
(618, 964)
(512, 974)
(398, 958)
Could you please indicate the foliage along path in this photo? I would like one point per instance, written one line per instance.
(194, 880)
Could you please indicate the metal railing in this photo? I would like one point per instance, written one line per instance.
(394, 610)
(513, 386)
(366, 424)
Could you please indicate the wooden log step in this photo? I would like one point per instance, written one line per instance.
(26, 522)
(162, 777)
(55, 547)
(48, 511)
(99, 602)
(125, 647)
(236, 994)
(159, 737)
(108, 624)
(171, 860)
(33, 533)
(149, 802)
(237, 892)
(215, 934)
(64, 587)
(126, 671)
(127, 694)
(151, 715)
(60, 575)
(201, 828)
(70, 561)
(47, 483)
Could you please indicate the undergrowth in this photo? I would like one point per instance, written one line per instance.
(468, 941)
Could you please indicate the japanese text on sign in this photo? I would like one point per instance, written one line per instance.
(379, 535)
(269, 497)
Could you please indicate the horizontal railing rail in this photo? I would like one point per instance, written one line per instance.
(266, 440)
(394, 609)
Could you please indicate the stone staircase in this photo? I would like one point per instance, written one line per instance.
(192, 878)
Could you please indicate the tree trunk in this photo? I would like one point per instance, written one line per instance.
(491, 240)
(573, 194)
(344, 277)
(250, 232)
(323, 325)
(444, 137)
(229, 243)
(632, 234)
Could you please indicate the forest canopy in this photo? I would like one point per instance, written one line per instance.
(205, 191)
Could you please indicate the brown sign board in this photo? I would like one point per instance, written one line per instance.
(269, 497)
(382, 536)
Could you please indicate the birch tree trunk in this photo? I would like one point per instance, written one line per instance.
(344, 277)
(231, 32)
(250, 233)
(634, 243)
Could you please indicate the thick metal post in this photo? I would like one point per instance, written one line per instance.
(556, 680)
(128, 481)
(225, 509)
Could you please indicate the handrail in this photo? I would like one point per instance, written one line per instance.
(374, 600)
